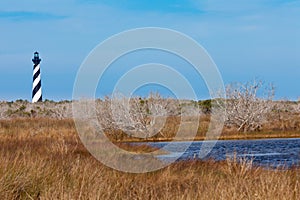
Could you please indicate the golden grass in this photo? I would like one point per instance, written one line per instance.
(44, 159)
(49, 127)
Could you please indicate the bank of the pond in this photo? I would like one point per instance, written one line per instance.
(231, 136)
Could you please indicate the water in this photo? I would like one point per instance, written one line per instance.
(269, 153)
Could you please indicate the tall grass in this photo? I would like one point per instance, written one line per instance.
(44, 159)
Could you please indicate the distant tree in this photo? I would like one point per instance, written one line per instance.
(140, 117)
(247, 105)
(205, 106)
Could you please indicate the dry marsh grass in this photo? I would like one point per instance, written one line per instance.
(44, 159)
(50, 127)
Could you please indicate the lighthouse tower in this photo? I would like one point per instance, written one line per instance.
(36, 84)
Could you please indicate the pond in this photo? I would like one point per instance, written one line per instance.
(268, 153)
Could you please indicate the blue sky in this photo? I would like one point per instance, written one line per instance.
(246, 38)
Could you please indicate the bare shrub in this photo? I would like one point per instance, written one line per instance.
(247, 105)
(139, 117)
(285, 116)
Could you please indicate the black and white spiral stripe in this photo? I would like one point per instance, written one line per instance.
(36, 85)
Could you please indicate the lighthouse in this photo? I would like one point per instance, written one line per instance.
(36, 84)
